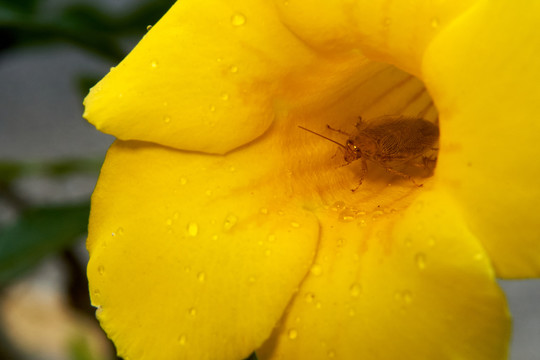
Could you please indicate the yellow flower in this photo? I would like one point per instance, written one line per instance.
(219, 228)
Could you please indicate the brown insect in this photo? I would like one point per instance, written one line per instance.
(391, 141)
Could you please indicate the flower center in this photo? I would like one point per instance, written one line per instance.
(370, 151)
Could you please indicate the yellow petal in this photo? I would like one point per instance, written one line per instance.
(188, 260)
(391, 31)
(410, 285)
(483, 74)
(202, 79)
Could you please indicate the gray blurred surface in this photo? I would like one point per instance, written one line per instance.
(40, 118)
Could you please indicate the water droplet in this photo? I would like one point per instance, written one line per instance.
(434, 23)
(96, 293)
(208, 192)
(309, 297)
(168, 222)
(293, 334)
(192, 229)
(154, 64)
(192, 312)
(183, 181)
(166, 119)
(201, 276)
(182, 340)
(232, 169)
(355, 290)
(224, 96)
(148, 27)
(175, 216)
(113, 234)
(316, 269)
(408, 242)
(338, 205)
(331, 354)
(346, 215)
(420, 260)
(271, 238)
(120, 231)
(101, 269)
(407, 297)
(238, 19)
(352, 312)
(268, 252)
(431, 242)
(387, 22)
(479, 257)
(294, 224)
(187, 269)
(318, 305)
(229, 223)
(212, 108)
(233, 69)
(264, 211)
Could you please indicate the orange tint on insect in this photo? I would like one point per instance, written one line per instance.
(391, 141)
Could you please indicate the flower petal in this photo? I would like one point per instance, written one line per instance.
(391, 31)
(411, 285)
(486, 89)
(188, 260)
(204, 78)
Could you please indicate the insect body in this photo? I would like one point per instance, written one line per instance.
(390, 141)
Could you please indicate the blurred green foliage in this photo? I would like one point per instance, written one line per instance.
(90, 26)
(85, 25)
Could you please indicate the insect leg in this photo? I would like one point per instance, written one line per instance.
(362, 174)
(403, 175)
(337, 130)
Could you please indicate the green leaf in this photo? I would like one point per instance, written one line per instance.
(37, 233)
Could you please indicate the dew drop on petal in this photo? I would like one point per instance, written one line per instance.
(331, 354)
(148, 27)
(166, 119)
(407, 297)
(434, 23)
(271, 238)
(264, 211)
(192, 312)
(355, 290)
(233, 69)
(192, 229)
(346, 215)
(420, 260)
(293, 334)
(183, 181)
(230, 221)
(101, 269)
(309, 297)
(294, 224)
(201, 277)
(154, 64)
(182, 340)
(224, 96)
(316, 269)
(238, 19)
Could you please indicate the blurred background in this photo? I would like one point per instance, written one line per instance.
(51, 53)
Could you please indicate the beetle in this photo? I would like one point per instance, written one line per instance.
(390, 141)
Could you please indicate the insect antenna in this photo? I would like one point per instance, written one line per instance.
(324, 137)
